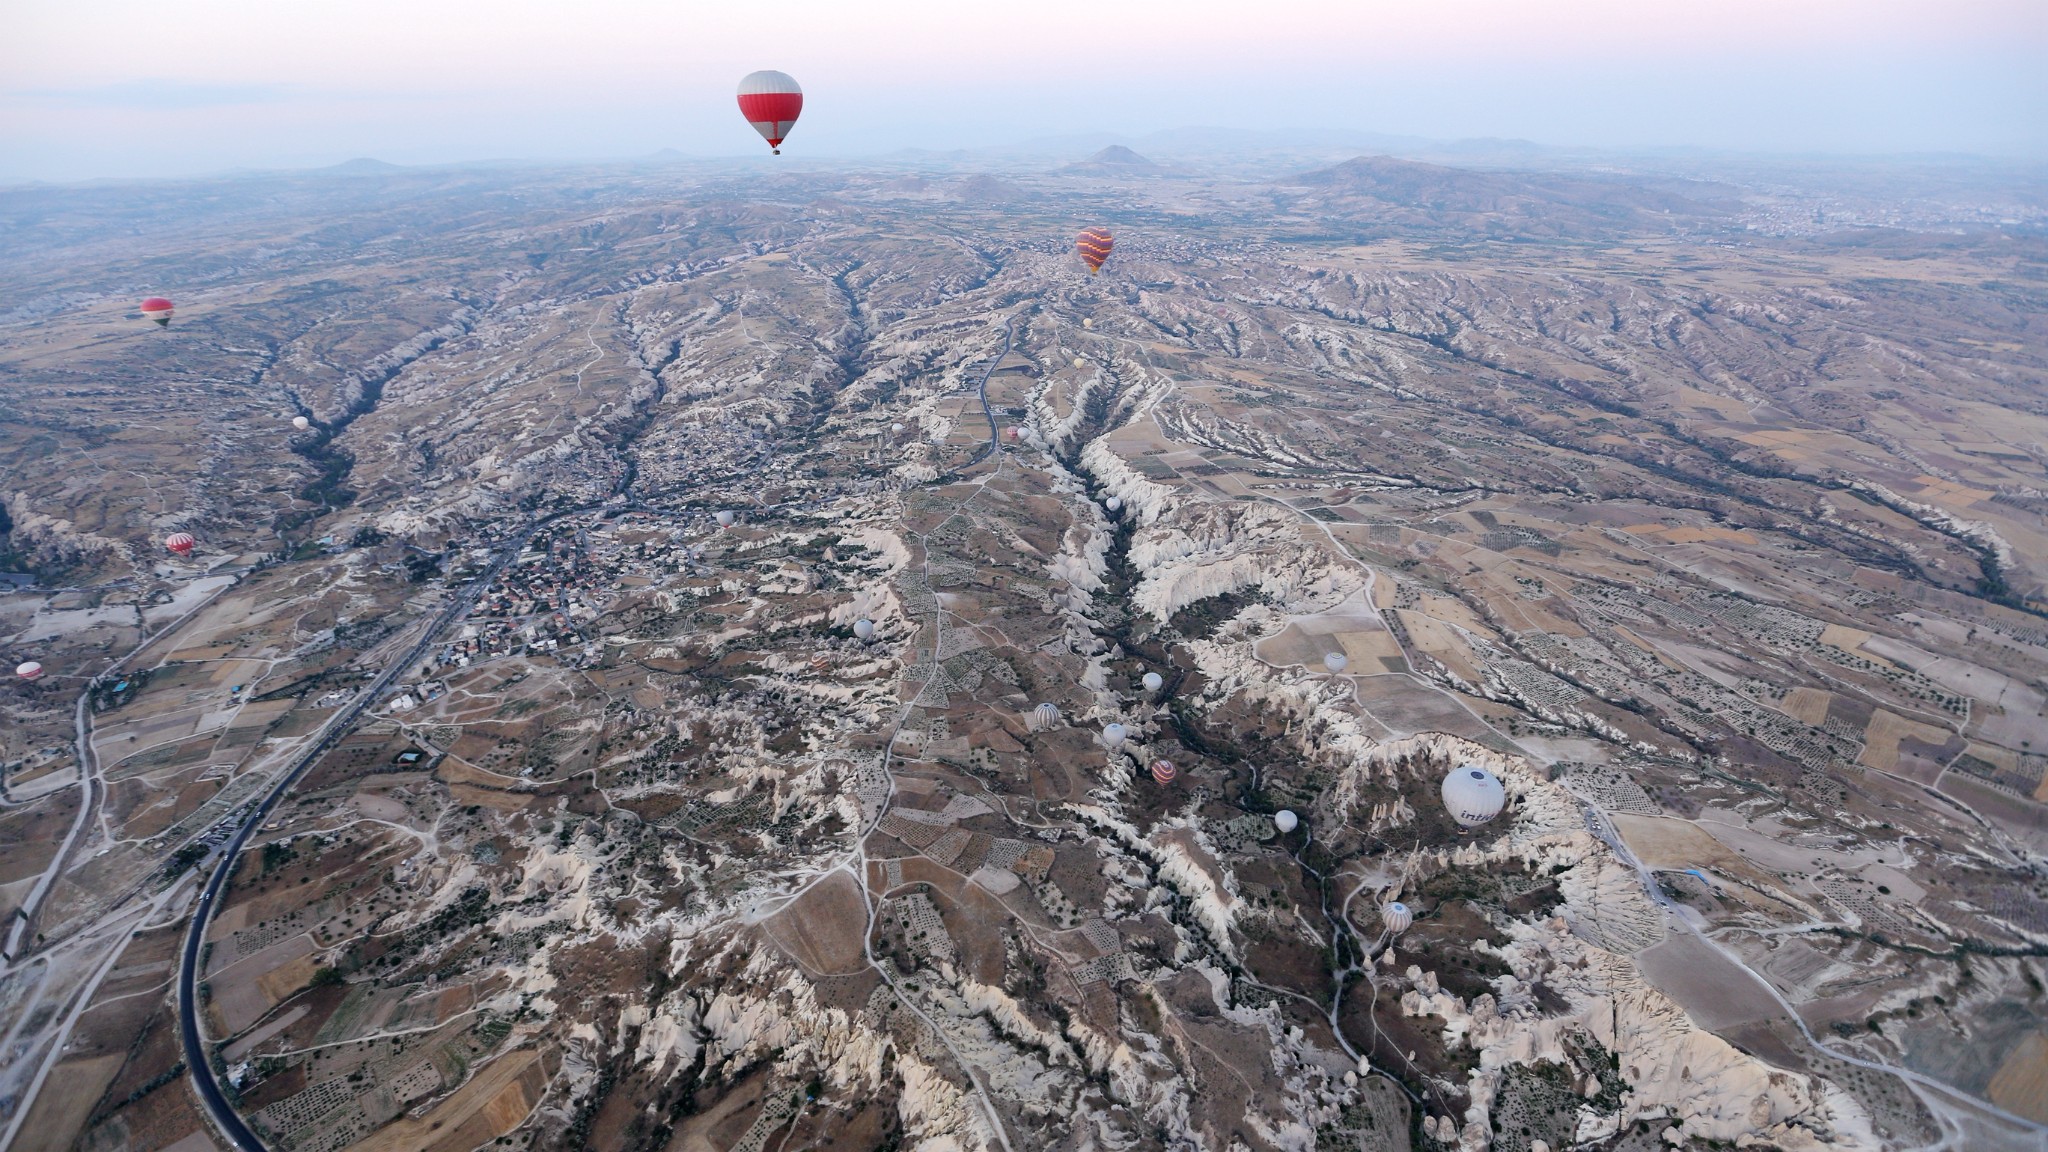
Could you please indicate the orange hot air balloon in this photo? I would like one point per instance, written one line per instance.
(1094, 245)
(180, 543)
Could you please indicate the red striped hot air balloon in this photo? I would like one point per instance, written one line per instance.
(1094, 245)
(771, 102)
(29, 670)
(158, 309)
(1164, 771)
(180, 543)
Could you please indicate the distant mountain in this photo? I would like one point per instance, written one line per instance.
(986, 189)
(1117, 160)
(1399, 195)
(361, 166)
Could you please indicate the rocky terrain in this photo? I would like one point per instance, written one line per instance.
(602, 818)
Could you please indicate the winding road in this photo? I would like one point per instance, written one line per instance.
(198, 1060)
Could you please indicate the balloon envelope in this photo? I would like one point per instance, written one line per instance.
(1080, 363)
(1396, 916)
(1472, 795)
(1115, 503)
(1046, 715)
(180, 543)
(897, 428)
(158, 309)
(301, 423)
(771, 102)
(865, 629)
(724, 519)
(1163, 771)
(1285, 820)
(1113, 735)
(1335, 661)
(29, 670)
(1154, 681)
(1094, 244)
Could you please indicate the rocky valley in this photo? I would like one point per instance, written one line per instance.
(697, 679)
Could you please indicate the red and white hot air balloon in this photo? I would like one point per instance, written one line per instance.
(1094, 245)
(1164, 771)
(180, 543)
(158, 309)
(771, 102)
(29, 670)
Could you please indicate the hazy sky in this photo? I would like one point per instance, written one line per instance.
(126, 88)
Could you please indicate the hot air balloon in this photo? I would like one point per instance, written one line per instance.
(1396, 916)
(1044, 716)
(1154, 681)
(180, 543)
(301, 423)
(29, 670)
(724, 518)
(1114, 503)
(1079, 363)
(1163, 771)
(1335, 662)
(1013, 432)
(771, 102)
(158, 309)
(865, 629)
(1285, 821)
(1094, 245)
(897, 428)
(1472, 795)
(1113, 736)
(1087, 323)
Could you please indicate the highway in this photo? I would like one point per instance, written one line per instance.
(197, 1059)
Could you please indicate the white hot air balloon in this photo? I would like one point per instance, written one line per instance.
(1113, 736)
(1286, 821)
(1154, 681)
(897, 428)
(301, 423)
(771, 101)
(1472, 795)
(1396, 916)
(724, 519)
(1114, 503)
(865, 629)
(1045, 716)
(29, 670)
(1080, 363)
(1335, 662)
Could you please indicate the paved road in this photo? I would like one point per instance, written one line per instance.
(1009, 335)
(197, 1059)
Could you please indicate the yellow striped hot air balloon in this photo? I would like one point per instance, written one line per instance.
(1094, 245)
